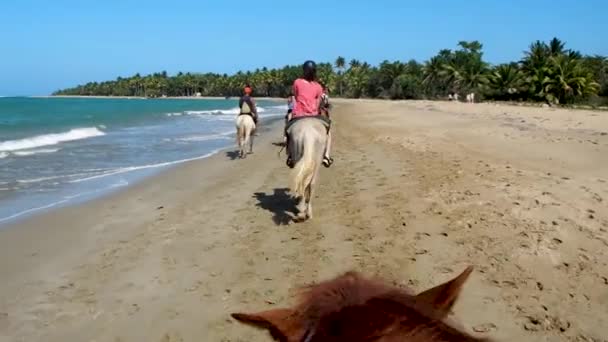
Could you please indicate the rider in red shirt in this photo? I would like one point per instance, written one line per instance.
(308, 94)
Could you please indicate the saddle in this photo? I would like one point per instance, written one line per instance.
(254, 117)
(326, 121)
(246, 110)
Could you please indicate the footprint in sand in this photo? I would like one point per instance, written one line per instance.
(3, 321)
(171, 337)
(546, 322)
(484, 328)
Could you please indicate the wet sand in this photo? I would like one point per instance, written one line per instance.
(419, 190)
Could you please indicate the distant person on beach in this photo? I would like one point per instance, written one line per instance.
(308, 97)
(325, 105)
(291, 100)
(247, 106)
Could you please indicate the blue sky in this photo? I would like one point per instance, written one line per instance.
(46, 45)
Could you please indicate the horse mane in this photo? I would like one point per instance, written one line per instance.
(352, 307)
(349, 289)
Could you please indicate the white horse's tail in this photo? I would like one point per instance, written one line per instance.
(305, 168)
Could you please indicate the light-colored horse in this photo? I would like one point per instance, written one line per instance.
(308, 138)
(471, 98)
(244, 133)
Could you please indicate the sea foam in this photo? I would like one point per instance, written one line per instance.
(37, 151)
(231, 111)
(49, 139)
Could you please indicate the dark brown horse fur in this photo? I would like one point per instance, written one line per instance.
(354, 308)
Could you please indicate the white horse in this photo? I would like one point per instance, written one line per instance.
(471, 98)
(244, 133)
(308, 138)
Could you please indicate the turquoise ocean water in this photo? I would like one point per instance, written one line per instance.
(57, 151)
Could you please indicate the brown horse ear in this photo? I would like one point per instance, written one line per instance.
(282, 323)
(443, 296)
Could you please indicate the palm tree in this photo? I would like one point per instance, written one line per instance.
(472, 47)
(340, 64)
(389, 72)
(537, 56)
(189, 84)
(535, 65)
(548, 71)
(326, 74)
(137, 84)
(433, 76)
(598, 66)
(506, 81)
(556, 47)
(473, 70)
(555, 74)
(573, 54)
(357, 79)
(569, 79)
(451, 73)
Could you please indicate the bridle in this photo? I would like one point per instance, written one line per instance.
(310, 333)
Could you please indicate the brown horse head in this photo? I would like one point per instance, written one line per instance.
(355, 308)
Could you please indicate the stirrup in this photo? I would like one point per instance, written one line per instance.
(289, 163)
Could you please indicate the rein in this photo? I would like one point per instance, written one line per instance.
(310, 333)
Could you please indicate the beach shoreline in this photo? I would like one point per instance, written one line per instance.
(17, 218)
(419, 190)
(137, 138)
(8, 222)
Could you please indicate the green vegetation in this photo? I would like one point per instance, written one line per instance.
(548, 72)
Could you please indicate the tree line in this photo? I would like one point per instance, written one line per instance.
(547, 72)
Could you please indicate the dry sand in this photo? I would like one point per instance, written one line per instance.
(419, 191)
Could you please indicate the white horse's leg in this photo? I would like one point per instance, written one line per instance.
(309, 195)
(242, 147)
(240, 143)
(239, 138)
(246, 137)
(251, 141)
(328, 145)
(302, 209)
(304, 206)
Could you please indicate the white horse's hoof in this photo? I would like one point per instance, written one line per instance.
(300, 218)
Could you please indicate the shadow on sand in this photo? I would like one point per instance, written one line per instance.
(279, 203)
(233, 155)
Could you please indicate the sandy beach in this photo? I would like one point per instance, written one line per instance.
(419, 191)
